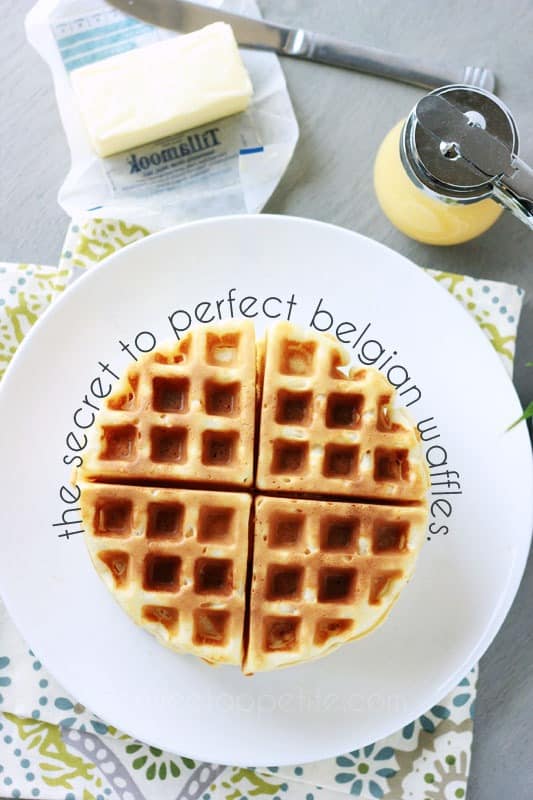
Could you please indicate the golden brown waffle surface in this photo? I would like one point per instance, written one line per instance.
(251, 502)
(182, 414)
(325, 572)
(326, 432)
(175, 560)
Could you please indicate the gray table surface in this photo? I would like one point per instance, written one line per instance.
(343, 117)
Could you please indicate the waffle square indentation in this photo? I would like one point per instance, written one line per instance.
(169, 445)
(340, 460)
(389, 537)
(344, 410)
(289, 457)
(128, 400)
(286, 530)
(179, 355)
(284, 582)
(293, 408)
(119, 442)
(336, 584)
(281, 633)
(216, 525)
(326, 629)
(384, 421)
(161, 573)
(210, 627)
(171, 394)
(219, 448)
(338, 534)
(222, 349)
(391, 465)
(117, 563)
(297, 358)
(165, 520)
(113, 517)
(381, 586)
(222, 399)
(163, 615)
(213, 576)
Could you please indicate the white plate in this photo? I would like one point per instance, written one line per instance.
(465, 581)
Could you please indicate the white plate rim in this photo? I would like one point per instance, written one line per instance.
(519, 561)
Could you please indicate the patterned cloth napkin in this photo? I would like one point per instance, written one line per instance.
(52, 747)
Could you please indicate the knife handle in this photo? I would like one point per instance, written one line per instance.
(340, 53)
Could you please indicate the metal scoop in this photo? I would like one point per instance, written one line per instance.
(461, 143)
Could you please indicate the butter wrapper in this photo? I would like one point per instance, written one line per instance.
(228, 166)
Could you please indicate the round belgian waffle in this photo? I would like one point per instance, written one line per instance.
(253, 503)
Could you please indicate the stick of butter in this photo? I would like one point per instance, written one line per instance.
(161, 89)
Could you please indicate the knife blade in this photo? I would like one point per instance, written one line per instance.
(186, 16)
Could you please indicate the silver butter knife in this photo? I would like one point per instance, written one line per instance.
(185, 16)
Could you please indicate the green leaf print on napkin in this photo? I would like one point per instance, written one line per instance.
(59, 767)
(96, 239)
(155, 762)
(258, 784)
(458, 286)
(29, 290)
